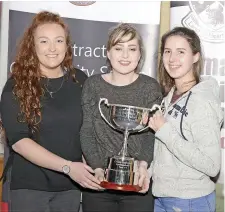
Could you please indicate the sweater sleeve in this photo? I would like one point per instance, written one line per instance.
(203, 153)
(15, 130)
(88, 141)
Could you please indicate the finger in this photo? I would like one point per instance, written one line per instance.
(93, 185)
(90, 186)
(141, 180)
(92, 178)
(100, 178)
(88, 168)
(145, 186)
(158, 113)
(82, 184)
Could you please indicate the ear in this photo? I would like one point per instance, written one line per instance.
(196, 57)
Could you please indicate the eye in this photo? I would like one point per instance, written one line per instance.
(181, 52)
(166, 52)
(118, 49)
(133, 49)
(43, 41)
(60, 41)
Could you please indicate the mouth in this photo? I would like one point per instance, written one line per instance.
(124, 63)
(51, 55)
(174, 66)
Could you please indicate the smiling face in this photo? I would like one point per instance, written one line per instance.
(178, 58)
(50, 46)
(125, 55)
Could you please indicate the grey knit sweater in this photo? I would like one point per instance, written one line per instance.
(98, 140)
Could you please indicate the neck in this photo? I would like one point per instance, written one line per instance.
(122, 79)
(182, 87)
(52, 73)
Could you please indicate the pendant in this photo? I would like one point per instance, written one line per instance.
(51, 94)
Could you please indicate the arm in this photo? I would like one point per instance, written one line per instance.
(20, 141)
(88, 142)
(39, 155)
(204, 153)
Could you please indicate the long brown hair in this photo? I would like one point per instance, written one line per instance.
(26, 72)
(192, 38)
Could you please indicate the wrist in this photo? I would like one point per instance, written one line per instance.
(66, 167)
(143, 164)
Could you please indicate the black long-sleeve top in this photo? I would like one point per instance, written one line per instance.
(58, 133)
(98, 140)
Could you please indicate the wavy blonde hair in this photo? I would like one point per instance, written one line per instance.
(26, 72)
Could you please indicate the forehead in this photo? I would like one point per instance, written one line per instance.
(176, 41)
(126, 40)
(49, 30)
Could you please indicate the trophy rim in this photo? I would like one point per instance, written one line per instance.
(130, 106)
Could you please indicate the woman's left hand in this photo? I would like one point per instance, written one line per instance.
(144, 178)
(156, 121)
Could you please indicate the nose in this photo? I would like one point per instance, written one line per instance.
(172, 57)
(52, 47)
(125, 53)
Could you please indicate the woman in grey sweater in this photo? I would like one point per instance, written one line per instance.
(122, 85)
(187, 146)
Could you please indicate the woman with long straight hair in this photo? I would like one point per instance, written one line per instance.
(187, 145)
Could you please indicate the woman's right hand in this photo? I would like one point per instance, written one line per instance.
(83, 175)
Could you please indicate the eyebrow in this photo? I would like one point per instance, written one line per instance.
(176, 49)
(121, 44)
(47, 37)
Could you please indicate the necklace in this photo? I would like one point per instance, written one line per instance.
(53, 92)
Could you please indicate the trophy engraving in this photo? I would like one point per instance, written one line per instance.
(120, 172)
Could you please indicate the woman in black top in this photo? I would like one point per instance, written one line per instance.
(42, 115)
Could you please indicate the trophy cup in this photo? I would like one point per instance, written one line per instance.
(120, 172)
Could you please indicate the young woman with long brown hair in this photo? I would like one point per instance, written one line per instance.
(41, 114)
(187, 144)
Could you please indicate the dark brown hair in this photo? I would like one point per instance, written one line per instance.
(192, 38)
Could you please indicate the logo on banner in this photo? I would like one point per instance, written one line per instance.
(82, 3)
(207, 19)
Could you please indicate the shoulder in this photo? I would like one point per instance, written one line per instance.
(93, 80)
(147, 79)
(8, 88)
(150, 83)
(80, 76)
(202, 107)
(9, 85)
(7, 96)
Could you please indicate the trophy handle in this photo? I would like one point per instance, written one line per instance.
(154, 107)
(100, 110)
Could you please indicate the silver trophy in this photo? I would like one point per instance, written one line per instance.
(120, 172)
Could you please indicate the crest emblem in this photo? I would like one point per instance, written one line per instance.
(207, 19)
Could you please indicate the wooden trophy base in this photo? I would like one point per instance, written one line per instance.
(113, 186)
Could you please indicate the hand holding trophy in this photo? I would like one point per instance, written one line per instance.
(120, 172)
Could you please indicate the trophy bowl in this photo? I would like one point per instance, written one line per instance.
(121, 173)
